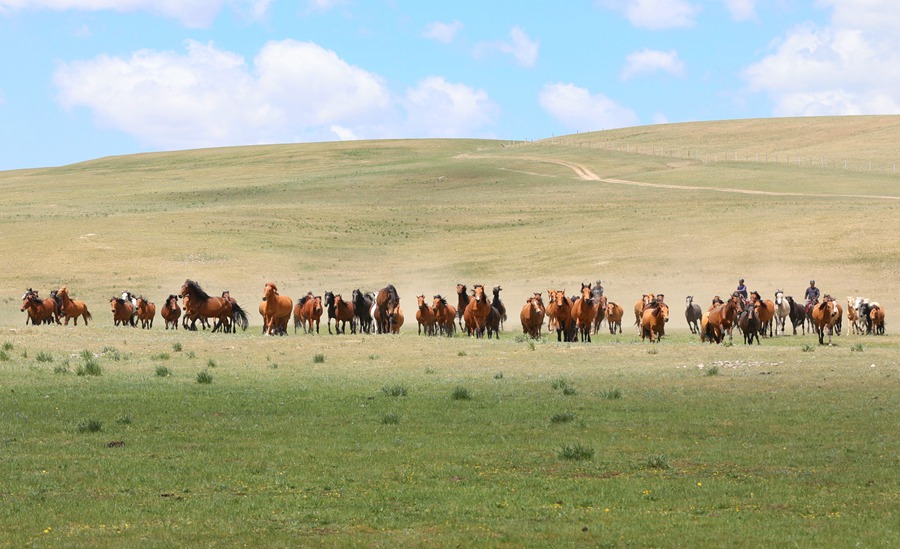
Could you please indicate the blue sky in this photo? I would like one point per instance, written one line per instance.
(83, 79)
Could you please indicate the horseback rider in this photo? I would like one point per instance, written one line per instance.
(597, 289)
(812, 293)
(742, 290)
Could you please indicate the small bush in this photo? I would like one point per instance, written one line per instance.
(858, 348)
(89, 426)
(318, 358)
(559, 383)
(394, 390)
(390, 419)
(204, 377)
(660, 461)
(4, 356)
(498, 375)
(713, 371)
(161, 356)
(44, 357)
(211, 363)
(564, 417)
(807, 348)
(86, 355)
(461, 353)
(111, 352)
(190, 354)
(7, 346)
(576, 452)
(430, 370)
(176, 347)
(727, 343)
(61, 369)
(162, 371)
(614, 394)
(569, 391)
(461, 393)
(90, 367)
(124, 420)
(652, 351)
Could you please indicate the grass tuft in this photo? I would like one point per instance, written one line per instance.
(390, 419)
(576, 452)
(612, 394)
(89, 426)
(4, 356)
(395, 390)
(318, 358)
(204, 377)
(564, 417)
(90, 367)
(7, 346)
(176, 347)
(712, 371)
(461, 393)
(211, 363)
(660, 461)
(807, 348)
(162, 371)
(857, 348)
(44, 356)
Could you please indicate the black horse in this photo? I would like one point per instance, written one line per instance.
(501, 308)
(329, 308)
(797, 315)
(362, 307)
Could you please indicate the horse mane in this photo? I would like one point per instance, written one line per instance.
(443, 300)
(195, 287)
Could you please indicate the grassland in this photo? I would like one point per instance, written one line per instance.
(300, 441)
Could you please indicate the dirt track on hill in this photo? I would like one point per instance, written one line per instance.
(586, 174)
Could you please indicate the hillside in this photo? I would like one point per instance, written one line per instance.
(632, 206)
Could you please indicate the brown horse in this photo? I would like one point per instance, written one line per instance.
(386, 301)
(825, 315)
(444, 315)
(565, 324)
(40, 311)
(343, 313)
(462, 301)
(765, 309)
(584, 312)
(308, 311)
(478, 310)
(720, 319)
(640, 305)
(614, 314)
(498, 304)
(600, 302)
(396, 319)
(191, 315)
(71, 308)
(425, 317)
(123, 311)
(749, 323)
(653, 321)
(532, 316)
(171, 312)
(276, 310)
(876, 315)
(223, 309)
(146, 311)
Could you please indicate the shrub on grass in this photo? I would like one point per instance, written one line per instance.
(395, 390)
(318, 358)
(90, 367)
(111, 352)
(211, 363)
(390, 419)
(4, 356)
(660, 461)
(564, 417)
(576, 452)
(204, 377)
(858, 348)
(559, 383)
(161, 356)
(89, 426)
(461, 393)
(568, 391)
(7, 346)
(176, 347)
(807, 348)
(713, 371)
(124, 420)
(613, 394)
(44, 356)
(61, 369)
(162, 371)
(498, 375)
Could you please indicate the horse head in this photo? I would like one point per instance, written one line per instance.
(689, 300)
(664, 310)
(779, 297)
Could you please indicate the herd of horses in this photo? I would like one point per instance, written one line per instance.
(573, 318)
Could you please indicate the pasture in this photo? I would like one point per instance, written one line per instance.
(192, 438)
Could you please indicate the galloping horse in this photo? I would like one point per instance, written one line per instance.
(797, 315)
(825, 315)
(343, 313)
(362, 304)
(766, 311)
(565, 324)
(122, 310)
(639, 307)
(444, 315)
(876, 315)
(750, 324)
(584, 312)
(853, 315)
(497, 304)
(146, 311)
(40, 311)
(462, 301)
(653, 321)
(223, 309)
(614, 314)
(782, 311)
(721, 319)
(276, 310)
(692, 314)
(425, 317)
(73, 309)
(386, 301)
(600, 302)
(171, 312)
(532, 316)
(478, 311)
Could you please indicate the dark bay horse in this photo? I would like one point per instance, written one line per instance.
(532, 316)
(498, 304)
(692, 314)
(584, 311)
(362, 307)
(146, 312)
(40, 311)
(171, 312)
(386, 301)
(343, 313)
(123, 311)
(462, 301)
(721, 319)
(444, 315)
(750, 324)
(223, 309)
(797, 314)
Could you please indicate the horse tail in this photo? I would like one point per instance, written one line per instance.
(239, 316)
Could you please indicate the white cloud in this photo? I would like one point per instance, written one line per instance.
(293, 91)
(741, 10)
(191, 13)
(656, 14)
(437, 108)
(323, 5)
(849, 67)
(521, 47)
(442, 32)
(577, 110)
(646, 61)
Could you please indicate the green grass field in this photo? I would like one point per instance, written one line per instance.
(187, 439)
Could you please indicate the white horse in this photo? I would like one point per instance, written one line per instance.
(782, 311)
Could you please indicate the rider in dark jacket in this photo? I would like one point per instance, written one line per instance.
(812, 293)
(742, 289)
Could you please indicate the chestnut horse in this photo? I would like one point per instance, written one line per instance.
(614, 314)
(639, 307)
(444, 315)
(223, 309)
(386, 301)
(146, 311)
(825, 315)
(425, 317)
(477, 310)
(276, 310)
(584, 311)
(171, 312)
(565, 324)
(40, 311)
(653, 321)
(343, 313)
(876, 315)
(532, 316)
(721, 319)
(71, 308)
(122, 310)
(765, 308)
